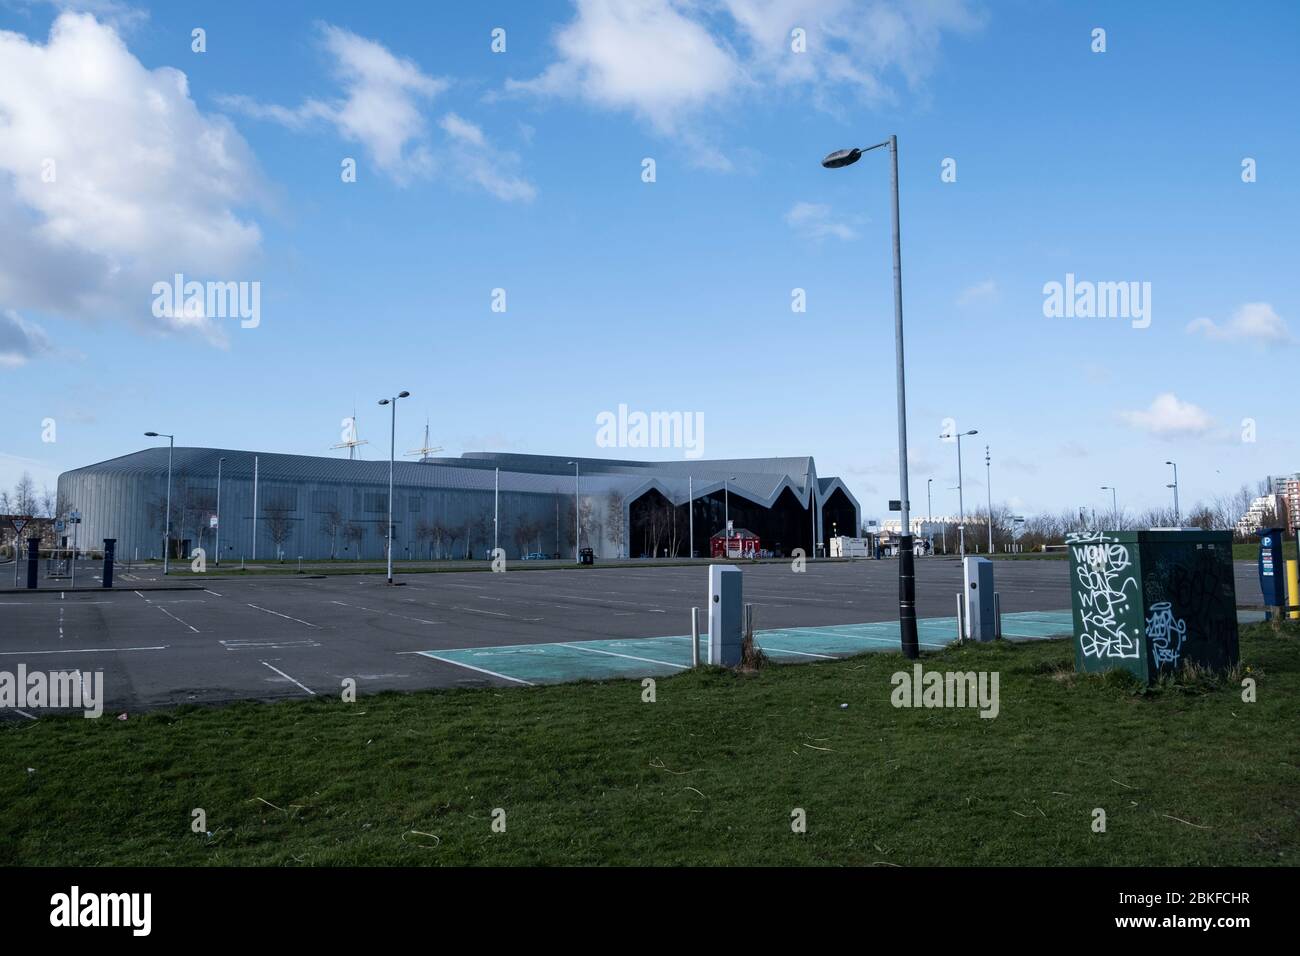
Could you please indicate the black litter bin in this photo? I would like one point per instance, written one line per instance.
(1150, 601)
(586, 556)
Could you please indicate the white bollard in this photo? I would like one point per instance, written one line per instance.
(695, 637)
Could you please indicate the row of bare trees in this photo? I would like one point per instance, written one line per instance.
(1220, 513)
(661, 528)
(41, 505)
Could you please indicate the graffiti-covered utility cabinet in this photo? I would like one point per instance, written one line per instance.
(1150, 601)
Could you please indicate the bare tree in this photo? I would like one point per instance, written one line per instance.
(424, 532)
(615, 526)
(438, 534)
(354, 532)
(481, 527)
(24, 497)
(279, 528)
(523, 533)
(331, 521)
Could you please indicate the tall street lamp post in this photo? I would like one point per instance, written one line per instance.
(1114, 503)
(167, 532)
(961, 500)
(577, 526)
(726, 517)
(906, 560)
(392, 446)
(1178, 519)
(988, 486)
(220, 462)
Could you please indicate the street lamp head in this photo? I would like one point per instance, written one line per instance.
(403, 394)
(973, 431)
(383, 401)
(150, 434)
(842, 157)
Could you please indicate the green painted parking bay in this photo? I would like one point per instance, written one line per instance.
(659, 656)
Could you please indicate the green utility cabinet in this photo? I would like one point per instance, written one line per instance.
(1150, 601)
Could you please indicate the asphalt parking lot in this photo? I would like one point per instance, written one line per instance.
(270, 638)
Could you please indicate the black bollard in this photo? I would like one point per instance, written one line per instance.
(33, 557)
(110, 549)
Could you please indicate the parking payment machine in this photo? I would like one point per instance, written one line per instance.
(1272, 568)
(726, 608)
(981, 617)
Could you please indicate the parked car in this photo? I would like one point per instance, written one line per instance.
(535, 556)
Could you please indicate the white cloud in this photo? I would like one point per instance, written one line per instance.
(382, 108)
(463, 130)
(1252, 322)
(20, 340)
(143, 185)
(678, 63)
(980, 292)
(120, 15)
(815, 221)
(471, 157)
(1169, 416)
(852, 46)
(648, 56)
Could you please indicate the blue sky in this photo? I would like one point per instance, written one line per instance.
(522, 171)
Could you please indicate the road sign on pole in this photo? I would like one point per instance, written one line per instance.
(19, 524)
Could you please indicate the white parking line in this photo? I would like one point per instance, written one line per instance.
(474, 610)
(631, 657)
(169, 614)
(85, 650)
(481, 670)
(373, 610)
(786, 650)
(287, 677)
(285, 616)
(241, 645)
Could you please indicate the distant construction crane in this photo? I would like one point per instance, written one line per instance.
(350, 428)
(427, 449)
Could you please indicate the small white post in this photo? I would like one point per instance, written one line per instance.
(695, 637)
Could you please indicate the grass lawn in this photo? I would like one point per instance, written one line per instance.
(709, 774)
